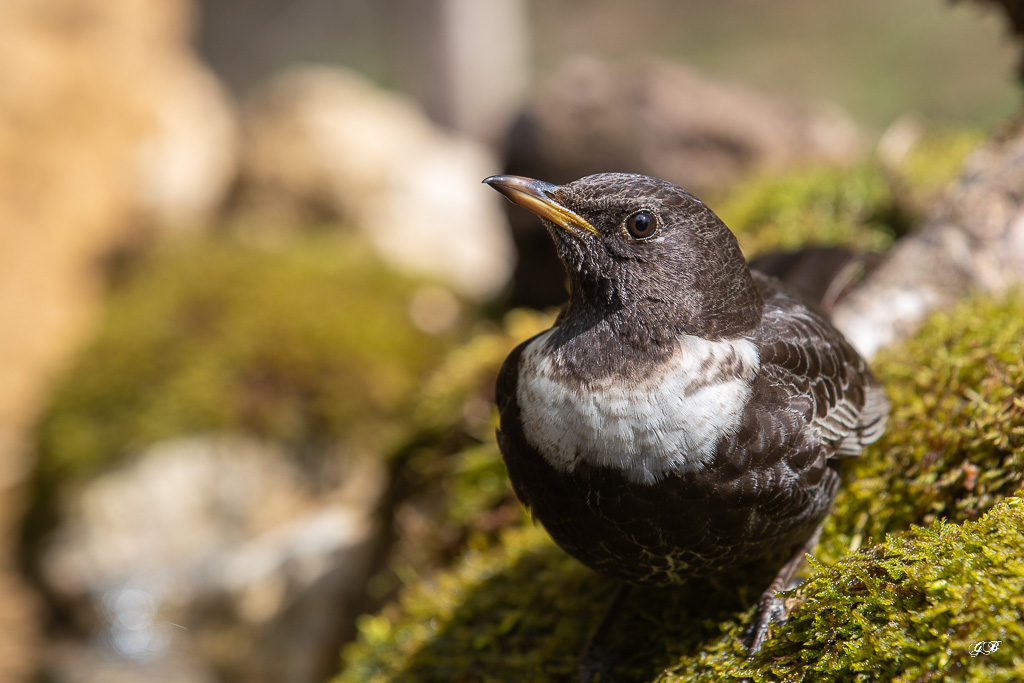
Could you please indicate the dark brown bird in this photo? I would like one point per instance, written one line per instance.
(683, 414)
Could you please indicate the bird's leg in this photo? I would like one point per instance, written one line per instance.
(595, 665)
(771, 608)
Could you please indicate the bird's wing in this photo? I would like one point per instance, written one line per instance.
(511, 441)
(848, 405)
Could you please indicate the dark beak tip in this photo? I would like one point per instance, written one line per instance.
(493, 180)
(508, 184)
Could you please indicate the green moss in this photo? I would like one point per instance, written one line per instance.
(301, 344)
(907, 609)
(863, 207)
(823, 205)
(451, 490)
(906, 606)
(955, 440)
(937, 158)
(462, 388)
(475, 623)
(462, 393)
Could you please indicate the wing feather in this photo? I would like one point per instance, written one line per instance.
(850, 407)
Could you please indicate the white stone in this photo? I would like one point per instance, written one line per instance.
(326, 138)
(188, 158)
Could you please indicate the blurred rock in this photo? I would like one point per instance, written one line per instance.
(187, 162)
(972, 240)
(90, 88)
(819, 274)
(670, 121)
(323, 141)
(661, 119)
(213, 556)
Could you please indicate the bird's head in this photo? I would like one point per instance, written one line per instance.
(633, 242)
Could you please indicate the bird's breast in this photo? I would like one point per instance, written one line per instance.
(668, 418)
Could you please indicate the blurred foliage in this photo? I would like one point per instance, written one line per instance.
(301, 344)
(935, 160)
(826, 206)
(520, 609)
(864, 207)
(451, 488)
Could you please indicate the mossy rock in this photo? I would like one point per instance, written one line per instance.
(307, 343)
(447, 470)
(954, 444)
(828, 205)
(863, 207)
(908, 609)
(885, 600)
(936, 160)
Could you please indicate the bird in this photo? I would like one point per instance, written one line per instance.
(683, 414)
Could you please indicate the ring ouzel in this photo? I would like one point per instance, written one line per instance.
(683, 414)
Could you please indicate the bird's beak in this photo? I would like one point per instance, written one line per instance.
(538, 197)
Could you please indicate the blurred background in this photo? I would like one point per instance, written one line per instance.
(253, 295)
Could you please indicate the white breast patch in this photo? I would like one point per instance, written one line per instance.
(667, 422)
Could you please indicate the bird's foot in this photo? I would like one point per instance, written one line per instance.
(771, 609)
(595, 663)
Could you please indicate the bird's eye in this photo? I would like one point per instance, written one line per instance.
(641, 225)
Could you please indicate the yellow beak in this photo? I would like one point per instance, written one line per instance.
(538, 197)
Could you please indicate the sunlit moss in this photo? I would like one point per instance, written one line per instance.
(822, 205)
(496, 614)
(955, 440)
(937, 158)
(300, 344)
(907, 606)
(907, 609)
(452, 492)
(863, 207)
(462, 392)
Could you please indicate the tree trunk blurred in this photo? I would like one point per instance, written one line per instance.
(467, 61)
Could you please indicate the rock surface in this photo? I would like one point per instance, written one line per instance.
(973, 239)
(324, 141)
(90, 88)
(211, 558)
(186, 163)
(670, 121)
